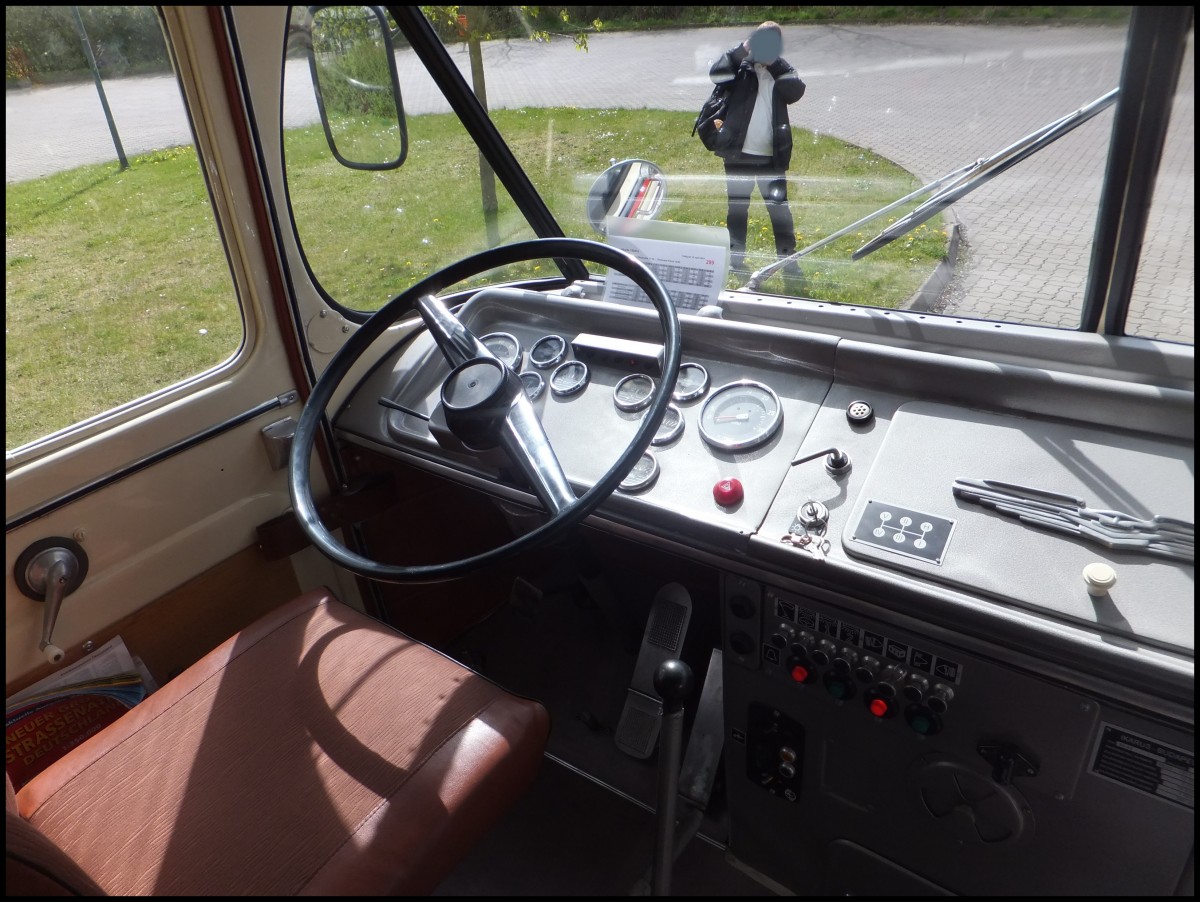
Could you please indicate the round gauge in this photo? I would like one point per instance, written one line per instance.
(691, 383)
(569, 378)
(534, 384)
(506, 348)
(547, 351)
(670, 428)
(633, 392)
(740, 415)
(642, 476)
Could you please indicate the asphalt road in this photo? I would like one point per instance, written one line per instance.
(946, 95)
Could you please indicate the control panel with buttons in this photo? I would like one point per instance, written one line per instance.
(852, 725)
(803, 643)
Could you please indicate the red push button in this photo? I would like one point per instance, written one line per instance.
(799, 673)
(878, 707)
(728, 492)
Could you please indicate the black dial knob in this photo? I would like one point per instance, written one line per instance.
(741, 643)
(823, 653)
(741, 606)
(939, 698)
(844, 661)
(867, 669)
(916, 687)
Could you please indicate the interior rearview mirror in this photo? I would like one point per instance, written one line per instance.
(353, 66)
(634, 189)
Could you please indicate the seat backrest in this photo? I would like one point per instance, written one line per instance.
(35, 866)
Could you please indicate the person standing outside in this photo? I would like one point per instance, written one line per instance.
(755, 139)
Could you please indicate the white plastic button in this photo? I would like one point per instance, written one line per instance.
(1099, 578)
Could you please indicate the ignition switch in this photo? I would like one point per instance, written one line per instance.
(812, 514)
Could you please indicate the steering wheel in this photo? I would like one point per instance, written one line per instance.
(485, 406)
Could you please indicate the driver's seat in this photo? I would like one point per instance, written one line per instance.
(315, 752)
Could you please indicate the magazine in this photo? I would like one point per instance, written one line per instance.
(46, 720)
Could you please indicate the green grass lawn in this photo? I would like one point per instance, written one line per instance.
(117, 285)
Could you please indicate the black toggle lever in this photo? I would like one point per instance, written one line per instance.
(837, 462)
(673, 681)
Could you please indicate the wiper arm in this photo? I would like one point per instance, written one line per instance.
(759, 276)
(991, 167)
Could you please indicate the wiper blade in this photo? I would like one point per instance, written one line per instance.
(760, 276)
(1166, 537)
(991, 167)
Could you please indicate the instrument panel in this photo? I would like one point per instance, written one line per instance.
(737, 413)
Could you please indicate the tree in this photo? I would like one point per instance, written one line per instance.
(473, 25)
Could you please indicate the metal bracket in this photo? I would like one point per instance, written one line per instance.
(277, 439)
(1007, 761)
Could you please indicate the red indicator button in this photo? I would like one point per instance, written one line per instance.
(799, 673)
(728, 492)
(878, 707)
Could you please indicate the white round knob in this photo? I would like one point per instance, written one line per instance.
(1099, 578)
(54, 654)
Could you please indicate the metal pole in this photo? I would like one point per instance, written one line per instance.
(91, 58)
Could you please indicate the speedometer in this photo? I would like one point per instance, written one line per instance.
(741, 415)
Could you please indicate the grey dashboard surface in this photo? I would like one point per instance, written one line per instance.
(930, 445)
(588, 430)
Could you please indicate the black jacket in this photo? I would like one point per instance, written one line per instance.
(735, 69)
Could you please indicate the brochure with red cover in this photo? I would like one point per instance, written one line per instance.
(40, 732)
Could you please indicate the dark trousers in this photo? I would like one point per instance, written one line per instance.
(740, 179)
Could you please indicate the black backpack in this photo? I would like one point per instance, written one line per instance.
(714, 108)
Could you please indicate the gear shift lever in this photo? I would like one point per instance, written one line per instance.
(673, 682)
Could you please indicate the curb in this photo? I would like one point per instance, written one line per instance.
(929, 293)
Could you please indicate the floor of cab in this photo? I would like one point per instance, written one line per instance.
(571, 836)
(569, 636)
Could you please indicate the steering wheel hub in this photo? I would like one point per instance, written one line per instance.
(476, 398)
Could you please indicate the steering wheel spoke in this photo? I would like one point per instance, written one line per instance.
(528, 447)
(458, 343)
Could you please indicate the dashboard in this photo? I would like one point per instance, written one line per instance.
(775, 435)
(902, 644)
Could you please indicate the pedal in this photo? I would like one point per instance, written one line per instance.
(666, 629)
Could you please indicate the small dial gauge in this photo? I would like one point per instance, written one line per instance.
(506, 348)
(533, 384)
(691, 383)
(569, 378)
(633, 392)
(740, 416)
(670, 428)
(548, 351)
(642, 476)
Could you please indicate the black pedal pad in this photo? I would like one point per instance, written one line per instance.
(666, 629)
(637, 730)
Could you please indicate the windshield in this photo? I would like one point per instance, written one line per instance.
(872, 157)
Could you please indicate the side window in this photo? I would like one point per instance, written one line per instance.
(116, 282)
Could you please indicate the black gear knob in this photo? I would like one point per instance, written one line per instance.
(673, 681)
